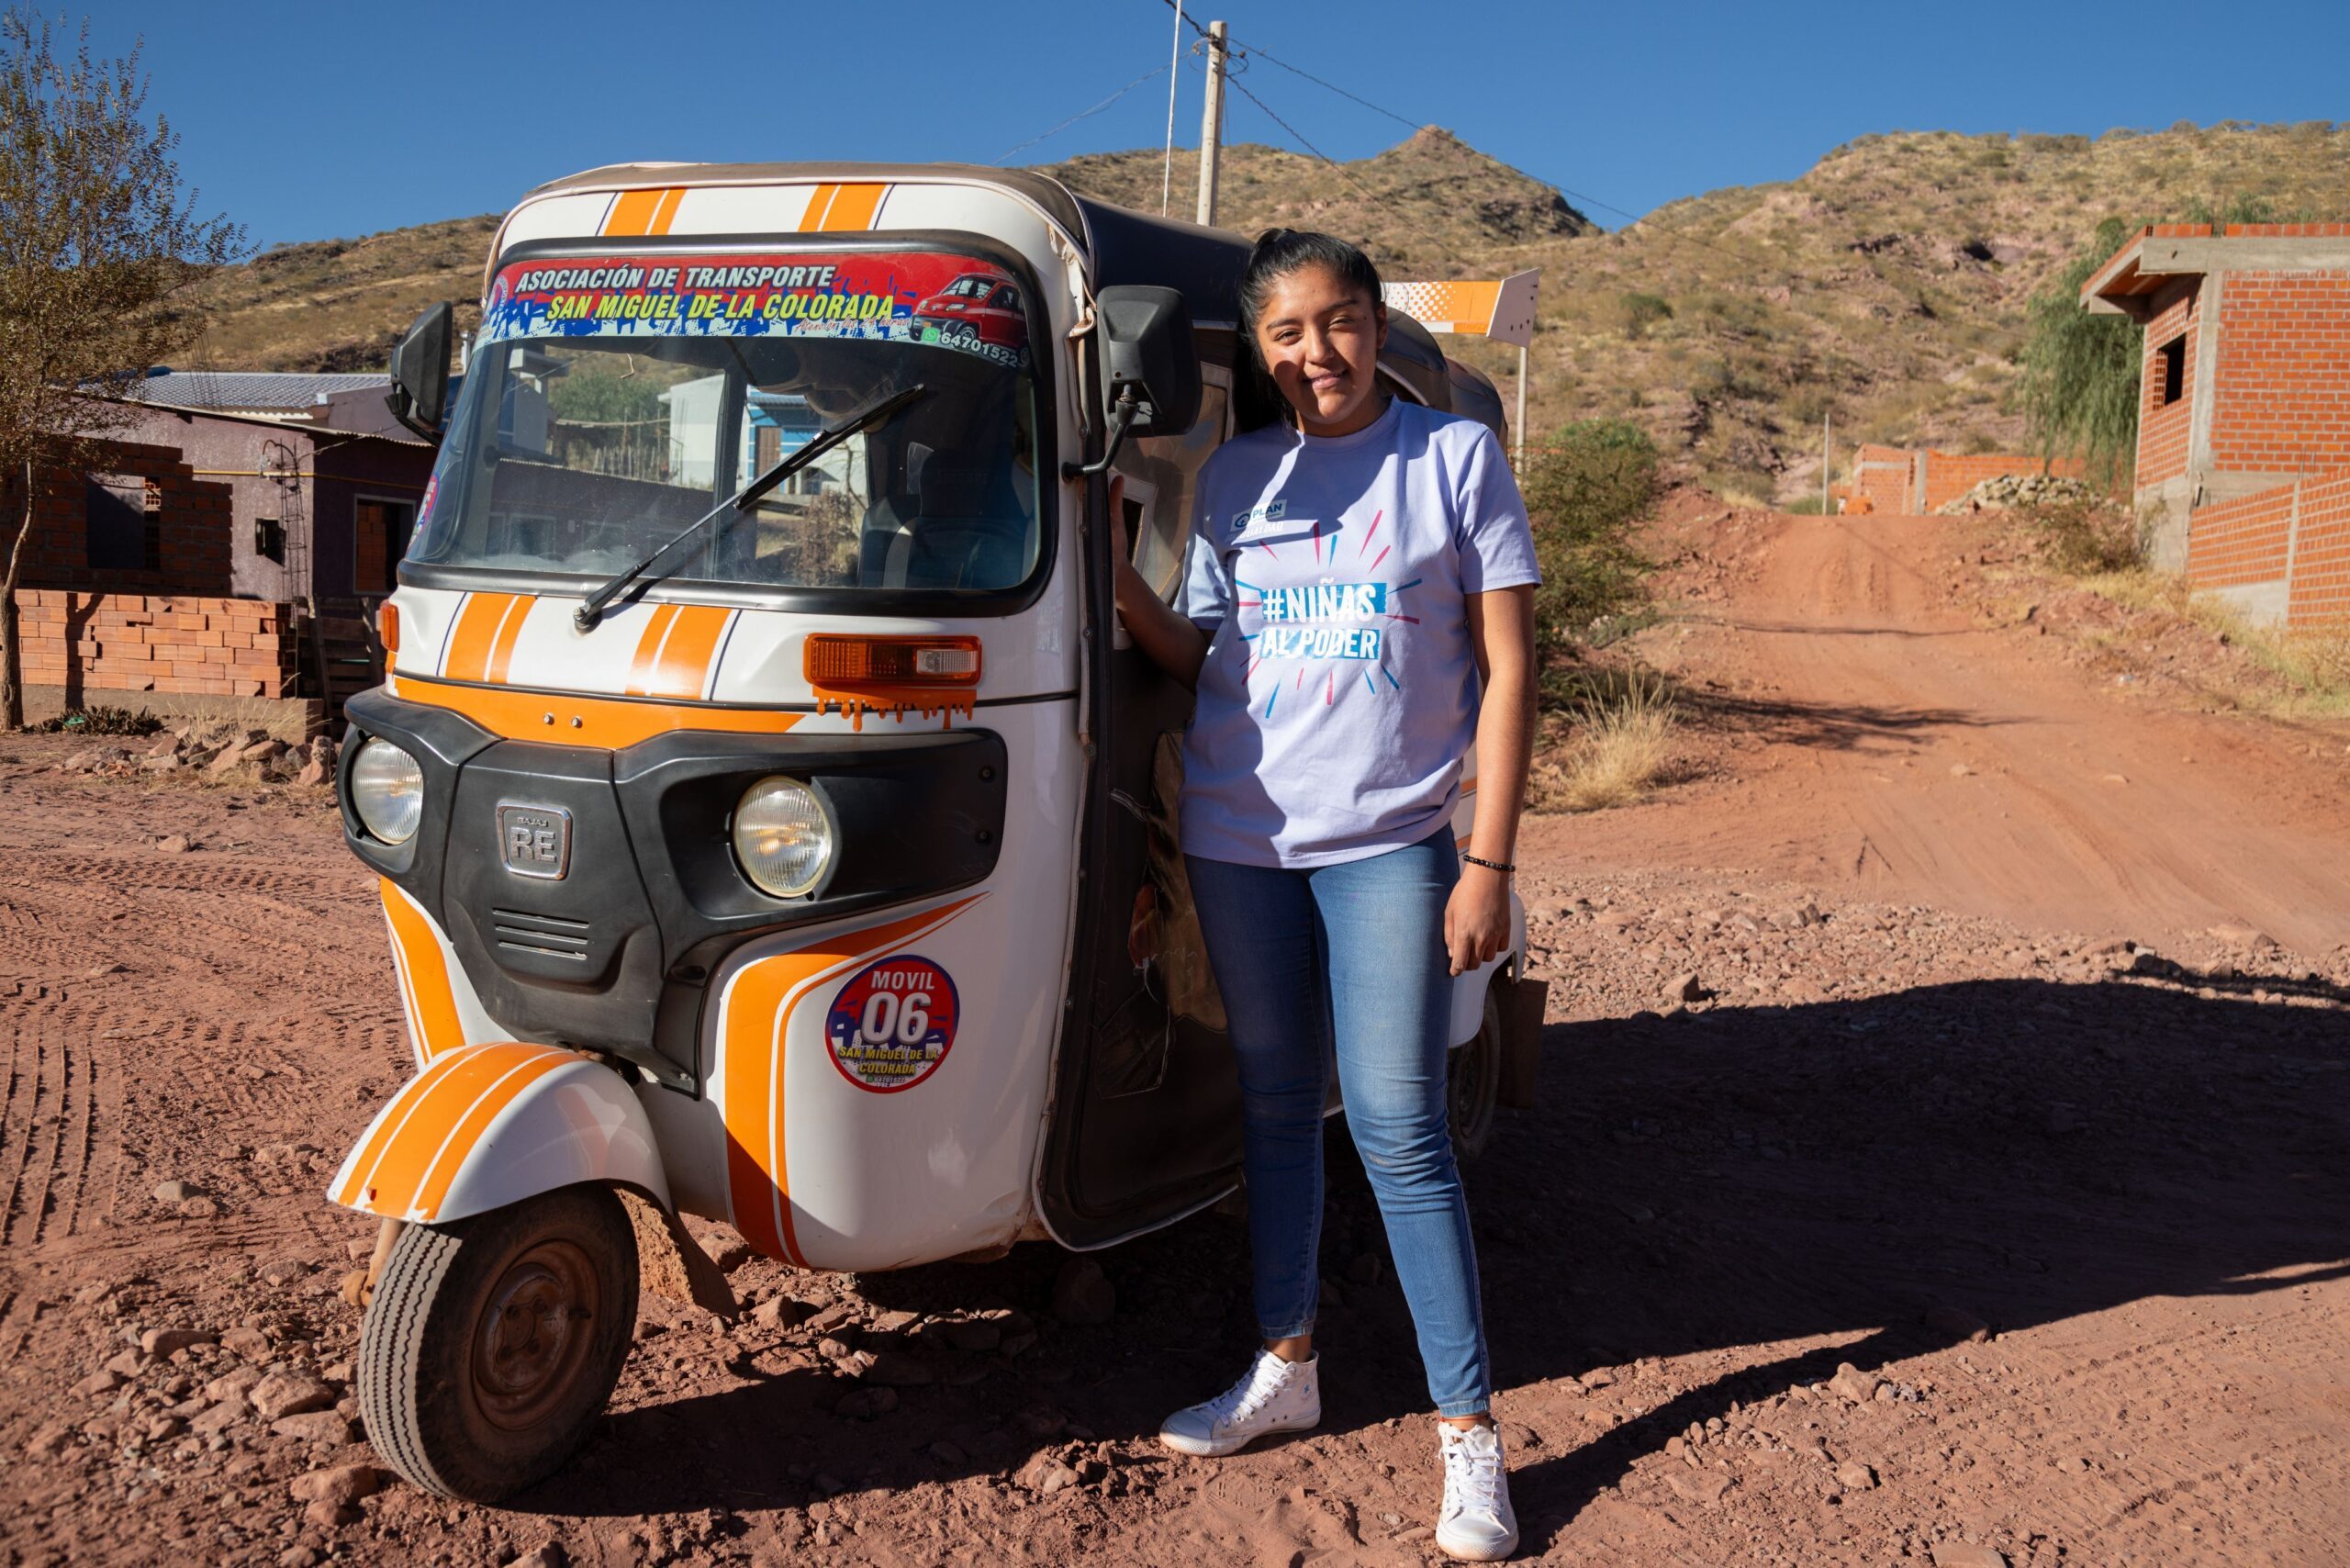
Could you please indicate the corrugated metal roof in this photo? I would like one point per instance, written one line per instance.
(248, 391)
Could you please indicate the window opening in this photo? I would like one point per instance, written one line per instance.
(119, 531)
(2174, 368)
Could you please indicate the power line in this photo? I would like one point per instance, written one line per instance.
(1083, 114)
(1240, 49)
(1181, 18)
(1582, 197)
(1334, 87)
(1344, 173)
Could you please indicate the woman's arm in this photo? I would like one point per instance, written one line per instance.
(1501, 631)
(1173, 642)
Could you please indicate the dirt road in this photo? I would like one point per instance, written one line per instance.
(2076, 1216)
(1915, 753)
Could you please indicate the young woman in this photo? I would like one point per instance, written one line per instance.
(1357, 613)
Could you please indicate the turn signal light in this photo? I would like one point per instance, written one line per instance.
(837, 660)
(387, 626)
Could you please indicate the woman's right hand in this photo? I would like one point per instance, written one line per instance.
(1171, 642)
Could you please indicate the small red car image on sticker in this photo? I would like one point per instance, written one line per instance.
(892, 1024)
(977, 305)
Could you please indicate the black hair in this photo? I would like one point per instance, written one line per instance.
(1277, 254)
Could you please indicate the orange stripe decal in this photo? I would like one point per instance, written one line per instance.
(632, 212)
(648, 648)
(458, 1082)
(424, 976)
(389, 1122)
(509, 632)
(459, 1144)
(757, 1025)
(681, 666)
(479, 622)
(820, 202)
(561, 718)
(853, 205)
(665, 213)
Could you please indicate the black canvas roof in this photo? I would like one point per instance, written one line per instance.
(1204, 264)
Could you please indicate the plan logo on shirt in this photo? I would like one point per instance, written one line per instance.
(1268, 512)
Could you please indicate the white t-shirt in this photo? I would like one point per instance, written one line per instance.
(1339, 693)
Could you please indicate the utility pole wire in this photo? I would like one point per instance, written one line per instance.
(1082, 114)
(1180, 19)
(1334, 87)
(1344, 173)
(1240, 48)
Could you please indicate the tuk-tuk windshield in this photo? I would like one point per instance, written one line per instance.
(613, 401)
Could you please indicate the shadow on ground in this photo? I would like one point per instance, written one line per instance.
(2020, 1150)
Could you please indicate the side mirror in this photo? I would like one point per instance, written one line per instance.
(419, 394)
(1149, 370)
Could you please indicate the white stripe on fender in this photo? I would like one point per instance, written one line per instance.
(453, 1059)
(424, 1182)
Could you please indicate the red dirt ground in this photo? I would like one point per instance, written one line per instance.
(2077, 1213)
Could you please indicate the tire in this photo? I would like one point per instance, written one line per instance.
(1473, 1082)
(492, 1344)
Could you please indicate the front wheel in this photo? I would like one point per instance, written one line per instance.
(1472, 1082)
(492, 1344)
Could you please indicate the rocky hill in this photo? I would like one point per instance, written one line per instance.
(1887, 286)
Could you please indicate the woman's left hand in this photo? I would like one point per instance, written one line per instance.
(1476, 918)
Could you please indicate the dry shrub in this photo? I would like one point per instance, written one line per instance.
(1622, 743)
(2318, 661)
(2082, 535)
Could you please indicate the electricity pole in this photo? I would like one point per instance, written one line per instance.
(1212, 121)
(1827, 427)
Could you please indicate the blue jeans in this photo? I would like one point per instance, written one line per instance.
(1354, 953)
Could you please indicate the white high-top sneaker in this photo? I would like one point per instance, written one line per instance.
(1477, 1523)
(1274, 1395)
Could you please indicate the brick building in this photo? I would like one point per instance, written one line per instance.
(323, 484)
(126, 598)
(222, 550)
(1918, 480)
(2243, 421)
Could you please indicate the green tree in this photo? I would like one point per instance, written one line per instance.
(2080, 370)
(1584, 490)
(99, 242)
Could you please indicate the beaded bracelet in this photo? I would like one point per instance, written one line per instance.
(1503, 866)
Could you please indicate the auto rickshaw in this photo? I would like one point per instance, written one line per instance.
(773, 823)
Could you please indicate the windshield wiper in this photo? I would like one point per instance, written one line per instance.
(592, 609)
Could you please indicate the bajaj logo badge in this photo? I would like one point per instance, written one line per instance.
(535, 840)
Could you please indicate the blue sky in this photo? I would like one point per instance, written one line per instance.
(330, 119)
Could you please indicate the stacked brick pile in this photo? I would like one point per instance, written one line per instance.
(93, 643)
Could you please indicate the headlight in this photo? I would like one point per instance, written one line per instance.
(388, 792)
(782, 837)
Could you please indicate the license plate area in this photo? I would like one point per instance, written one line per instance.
(534, 841)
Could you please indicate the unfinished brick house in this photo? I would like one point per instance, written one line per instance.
(221, 552)
(2243, 419)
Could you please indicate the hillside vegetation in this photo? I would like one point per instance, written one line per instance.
(1887, 286)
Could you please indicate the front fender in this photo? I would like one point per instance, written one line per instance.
(490, 1125)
